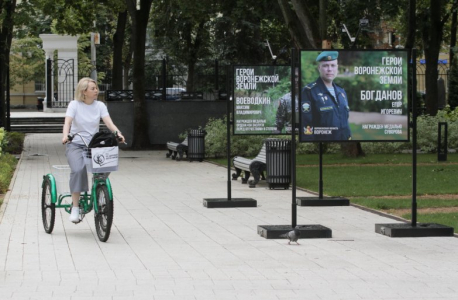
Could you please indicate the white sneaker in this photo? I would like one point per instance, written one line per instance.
(75, 215)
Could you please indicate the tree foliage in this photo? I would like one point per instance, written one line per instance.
(231, 31)
(26, 61)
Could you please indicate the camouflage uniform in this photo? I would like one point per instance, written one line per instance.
(284, 116)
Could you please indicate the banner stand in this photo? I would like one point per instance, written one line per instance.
(320, 200)
(307, 231)
(414, 229)
(229, 201)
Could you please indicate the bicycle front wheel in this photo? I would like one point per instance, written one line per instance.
(104, 216)
(48, 209)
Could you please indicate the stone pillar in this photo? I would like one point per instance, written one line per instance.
(67, 49)
(49, 55)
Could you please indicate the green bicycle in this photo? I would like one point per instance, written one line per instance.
(100, 199)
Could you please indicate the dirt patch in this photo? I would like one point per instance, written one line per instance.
(442, 197)
(378, 165)
(431, 210)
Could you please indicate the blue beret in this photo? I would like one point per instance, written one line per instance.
(327, 56)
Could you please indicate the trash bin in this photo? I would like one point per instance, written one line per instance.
(40, 103)
(278, 161)
(196, 144)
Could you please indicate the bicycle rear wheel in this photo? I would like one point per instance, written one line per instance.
(48, 209)
(104, 217)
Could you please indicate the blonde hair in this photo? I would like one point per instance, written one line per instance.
(82, 86)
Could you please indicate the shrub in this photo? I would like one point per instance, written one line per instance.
(14, 142)
(427, 133)
(216, 140)
(249, 145)
(7, 165)
(2, 140)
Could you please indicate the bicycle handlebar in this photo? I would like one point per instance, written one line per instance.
(118, 138)
(70, 138)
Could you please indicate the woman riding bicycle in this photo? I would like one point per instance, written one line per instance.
(83, 116)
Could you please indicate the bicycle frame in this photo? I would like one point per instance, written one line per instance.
(99, 198)
(87, 201)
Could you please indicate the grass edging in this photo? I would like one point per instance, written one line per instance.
(387, 215)
(10, 188)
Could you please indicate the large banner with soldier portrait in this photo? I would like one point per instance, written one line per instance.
(354, 95)
(262, 100)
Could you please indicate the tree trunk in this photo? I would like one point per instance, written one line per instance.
(453, 34)
(311, 29)
(411, 25)
(410, 44)
(118, 43)
(352, 149)
(432, 37)
(295, 28)
(139, 23)
(6, 36)
(190, 78)
(193, 46)
(126, 66)
(323, 21)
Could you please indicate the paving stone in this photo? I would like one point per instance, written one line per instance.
(165, 245)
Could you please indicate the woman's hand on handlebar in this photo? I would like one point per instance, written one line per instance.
(120, 137)
(67, 139)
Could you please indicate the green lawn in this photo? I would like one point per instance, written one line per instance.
(313, 159)
(448, 219)
(368, 180)
(330, 159)
(379, 180)
(398, 203)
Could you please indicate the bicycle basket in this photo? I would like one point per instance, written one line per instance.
(103, 138)
(101, 160)
(61, 174)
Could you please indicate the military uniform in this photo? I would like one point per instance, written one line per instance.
(284, 116)
(324, 117)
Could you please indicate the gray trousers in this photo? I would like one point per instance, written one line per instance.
(78, 174)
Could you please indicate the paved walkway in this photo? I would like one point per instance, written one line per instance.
(165, 245)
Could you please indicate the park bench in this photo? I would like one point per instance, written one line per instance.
(177, 149)
(255, 166)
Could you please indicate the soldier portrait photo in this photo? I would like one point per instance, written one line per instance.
(353, 95)
(324, 107)
(262, 99)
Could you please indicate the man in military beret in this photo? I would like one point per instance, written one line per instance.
(324, 105)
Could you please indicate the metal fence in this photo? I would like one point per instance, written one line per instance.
(209, 76)
(421, 72)
(212, 76)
